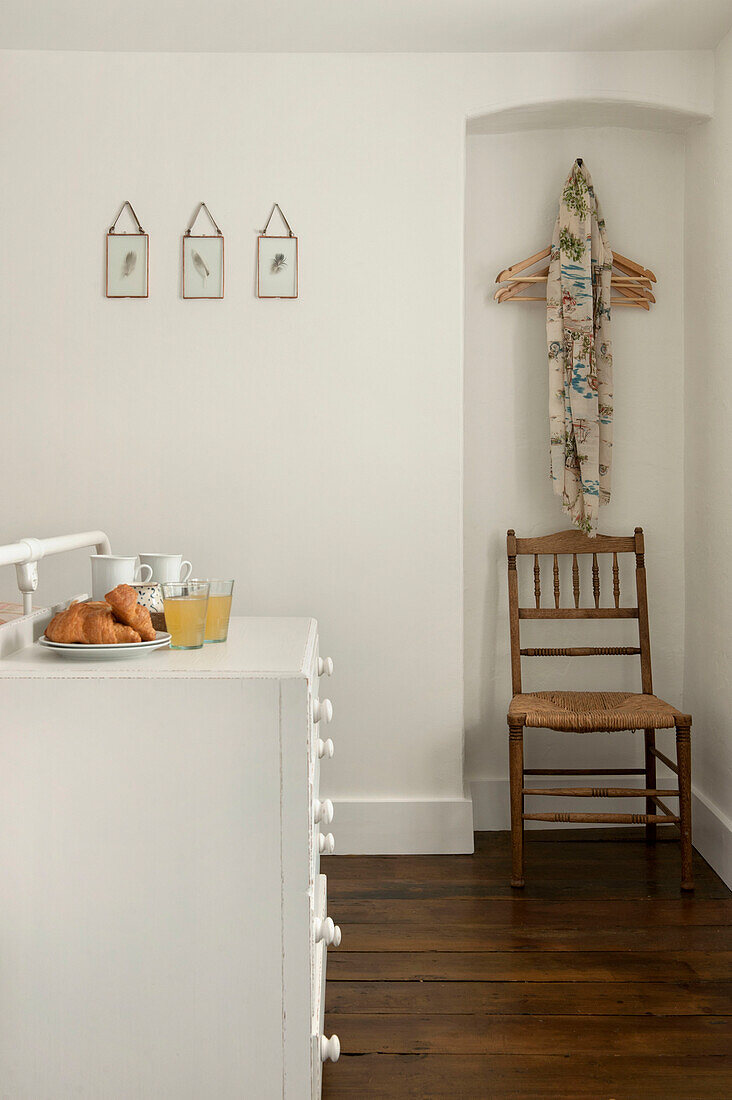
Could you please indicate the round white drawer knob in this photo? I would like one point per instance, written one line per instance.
(323, 811)
(330, 1049)
(322, 710)
(336, 941)
(326, 844)
(324, 930)
(325, 666)
(325, 748)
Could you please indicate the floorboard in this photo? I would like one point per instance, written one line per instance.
(553, 1077)
(531, 998)
(487, 914)
(515, 937)
(497, 1034)
(598, 980)
(529, 966)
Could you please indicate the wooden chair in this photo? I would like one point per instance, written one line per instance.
(591, 711)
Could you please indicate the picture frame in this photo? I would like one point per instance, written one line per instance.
(277, 267)
(203, 261)
(277, 262)
(127, 260)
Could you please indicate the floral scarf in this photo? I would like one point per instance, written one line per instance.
(580, 353)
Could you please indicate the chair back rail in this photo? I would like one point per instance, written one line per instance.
(571, 544)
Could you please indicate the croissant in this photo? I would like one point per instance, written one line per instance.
(123, 601)
(89, 624)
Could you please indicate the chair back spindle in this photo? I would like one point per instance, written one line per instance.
(575, 543)
(596, 580)
(556, 580)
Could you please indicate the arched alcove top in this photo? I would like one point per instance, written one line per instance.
(590, 111)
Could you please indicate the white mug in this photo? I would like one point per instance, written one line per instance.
(167, 567)
(109, 570)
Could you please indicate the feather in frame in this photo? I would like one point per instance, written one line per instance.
(200, 265)
(130, 262)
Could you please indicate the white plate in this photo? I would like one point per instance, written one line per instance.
(160, 638)
(114, 652)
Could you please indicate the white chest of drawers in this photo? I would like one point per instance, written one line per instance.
(162, 914)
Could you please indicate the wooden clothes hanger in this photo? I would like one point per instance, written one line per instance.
(630, 279)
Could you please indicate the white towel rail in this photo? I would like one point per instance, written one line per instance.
(26, 553)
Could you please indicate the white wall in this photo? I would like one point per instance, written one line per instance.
(312, 449)
(639, 177)
(708, 674)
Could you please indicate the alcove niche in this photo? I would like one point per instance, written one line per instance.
(517, 158)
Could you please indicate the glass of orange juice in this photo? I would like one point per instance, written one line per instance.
(219, 610)
(185, 605)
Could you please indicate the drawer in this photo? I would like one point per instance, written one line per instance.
(323, 666)
(318, 1025)
(321, 750)
(331, 1046)
(320, 954)
(322, 838)
(320, 713)
(320, 745)
(326, 838)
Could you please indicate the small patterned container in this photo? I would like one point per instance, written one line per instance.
(151, 597)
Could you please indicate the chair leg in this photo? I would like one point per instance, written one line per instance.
(683, 761)
(650, 739)
(516, 772)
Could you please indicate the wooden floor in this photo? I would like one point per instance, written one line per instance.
(597, 980)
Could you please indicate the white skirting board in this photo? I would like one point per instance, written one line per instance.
(712, 829)
(441, 826)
